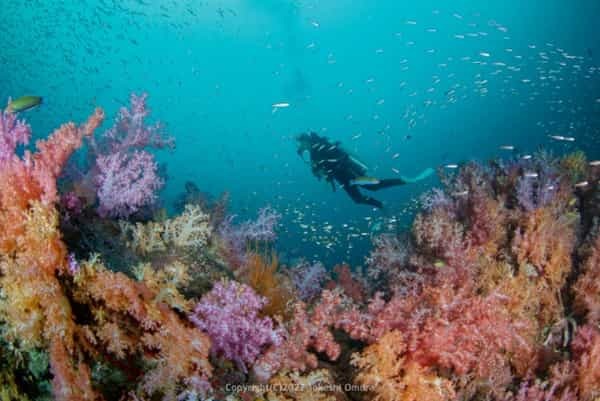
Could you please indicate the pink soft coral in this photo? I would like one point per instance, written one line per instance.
(470, 335)
(305, 332)
(229, 315)
(13, 132)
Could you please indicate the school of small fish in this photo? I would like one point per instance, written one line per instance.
(424, 82)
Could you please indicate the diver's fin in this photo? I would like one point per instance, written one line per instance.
(424, 174)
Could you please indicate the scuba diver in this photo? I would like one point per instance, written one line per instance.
(328, 160)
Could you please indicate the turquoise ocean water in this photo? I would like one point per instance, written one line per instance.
(403, 85)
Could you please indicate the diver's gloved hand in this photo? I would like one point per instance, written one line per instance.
(424, 174)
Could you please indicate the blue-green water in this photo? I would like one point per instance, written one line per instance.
(434, 82)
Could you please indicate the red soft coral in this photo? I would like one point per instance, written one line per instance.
(351, 286)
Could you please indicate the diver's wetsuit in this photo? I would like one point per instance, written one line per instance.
(329, 160)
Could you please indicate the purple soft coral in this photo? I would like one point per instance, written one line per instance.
(236, 237)
(126, 183)
(229, 315)
(263, 228)
(308, 279)
(130, 132)
(13, 132)
(126, 175)
(538, 185)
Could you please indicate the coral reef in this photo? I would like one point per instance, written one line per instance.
(492, 294)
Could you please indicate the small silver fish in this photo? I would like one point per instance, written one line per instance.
(557, 137)
(581, 184)
(530, 175)
(451, 166)
(526, 157)
(462, 193)
(507, 147)
(595, 163)
(281, 105)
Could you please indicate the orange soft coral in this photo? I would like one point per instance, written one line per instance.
(261, 274)
(384, 372)
(543, 245)
(147, 327)
(33, 178)
(36, 308)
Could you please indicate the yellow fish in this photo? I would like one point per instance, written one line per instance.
(23, 103)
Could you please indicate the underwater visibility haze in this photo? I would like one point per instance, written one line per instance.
(299, 200)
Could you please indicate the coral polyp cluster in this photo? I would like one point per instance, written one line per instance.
(492, 295)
